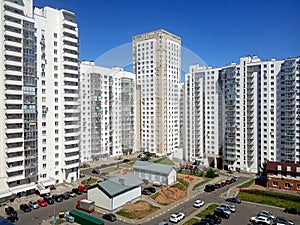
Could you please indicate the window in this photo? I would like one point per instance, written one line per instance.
(287, 185)
(55, 35)
(275, 183)
(298, 186)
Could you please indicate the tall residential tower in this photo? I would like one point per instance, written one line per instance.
(157, 65)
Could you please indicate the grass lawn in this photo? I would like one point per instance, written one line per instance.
(164, 161)
(209, 210)
(179, 186)
(268, 200)
(109, 169)
(89, 181)
(201, 183)
(85, 165)
(183, 182)
(247, 184)
(191, 221)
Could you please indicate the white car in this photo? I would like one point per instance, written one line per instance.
(260, 219)
(266, 214)
(176, 217)
(198, 203)
(228, 207)
(33, 205)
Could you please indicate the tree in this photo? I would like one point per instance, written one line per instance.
(210, 173)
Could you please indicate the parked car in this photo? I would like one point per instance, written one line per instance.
(283, 220)
(292, 211)
(201, 223)
(214, 217)
(10, 211)
(96, 171)
(156, 184)
(58, 198)
(33, 204)
(198, 203)
(217, 186)
(176, 217)
(12, 218)
(66, 195)
(260, 220)
(221, 213)
(234, 179)
(164, 223)
(41, 202)
(209, 187)
(209, 221)
(76, 191)
(72, 194)
(49, 200)
(82, 188)
(222, 184)
(110, 217)
(233, 200)
(151, 189)
(25, 208)
(267, 214)
(228, 207)
(146, 192)
(126, 160)
(227, 182)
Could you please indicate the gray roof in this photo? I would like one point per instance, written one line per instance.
(152, 167)
(118, 185)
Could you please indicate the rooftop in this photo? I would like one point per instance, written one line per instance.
(153, 167)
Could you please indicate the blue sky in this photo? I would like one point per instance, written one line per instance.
(219, 32)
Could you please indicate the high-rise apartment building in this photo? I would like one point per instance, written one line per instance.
(241, 115)
(58, 106)
(39, 134)
(157, 65)
(108, 118)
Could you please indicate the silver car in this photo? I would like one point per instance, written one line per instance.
(33, 205)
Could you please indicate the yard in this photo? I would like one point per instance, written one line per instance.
(137, 210)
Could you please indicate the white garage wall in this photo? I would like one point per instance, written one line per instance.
(126, 197)
(101, 200)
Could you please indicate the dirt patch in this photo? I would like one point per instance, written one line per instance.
(136, 207)
(168, 195)
(137, 210)
(187, 178)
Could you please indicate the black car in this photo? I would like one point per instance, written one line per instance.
(25, 208)
(209, 188)
(284, 220)
(58, 198)
(146, 192)
(210, 221)
(291, 211)
(223, 184)
(12, 218)
(66, 195)
(126, 160)
(11, 211)
(233, 200)
(214, 217)
(151, 189)
(201, 223)
(110, 217)
(96, 171)
(217, 186)
(49, 200)
(221, 213)
(77, 191)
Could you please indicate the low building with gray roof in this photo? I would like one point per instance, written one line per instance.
(115, 192)
(155, 172)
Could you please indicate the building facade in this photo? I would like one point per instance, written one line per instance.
(157, 65)
(34, 89)
(108, 117)
(241, 115)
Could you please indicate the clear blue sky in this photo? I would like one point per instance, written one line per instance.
(218, 31)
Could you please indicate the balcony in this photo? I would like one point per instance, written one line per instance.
(14, 169)
(13, 101)
(14, 150)
(13, 34)
(14, 140)
(71, 39)
(14, 15)
(13, 44)
(13, 53)
(70, 63)
(15, 159)
(13, 24)
(13, 72)
(70, 31)
(71, 71)
(70, 23)
(70, 55)
(70, 166)
(15, 178)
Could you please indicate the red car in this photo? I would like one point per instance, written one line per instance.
(82, 188)
(41, 202)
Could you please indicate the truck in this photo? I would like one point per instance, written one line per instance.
(85, 205)
(85, 219)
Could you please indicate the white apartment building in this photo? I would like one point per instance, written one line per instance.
(250, 114)
(58, 106)
(157, 65)
(108, 117)
(34, 90)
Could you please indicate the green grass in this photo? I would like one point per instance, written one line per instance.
(247, 184)
(164, 161)
(89, 181)
(183, 182)
(179, 186)
(109, 169)
(201, 183)
(125, 214)
(278, 201)
(85, 165)
(209, 210)
(191, 221)
(137, 214)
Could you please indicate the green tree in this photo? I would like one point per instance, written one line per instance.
(210, 173)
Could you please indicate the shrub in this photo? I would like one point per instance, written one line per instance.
(210, 173)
